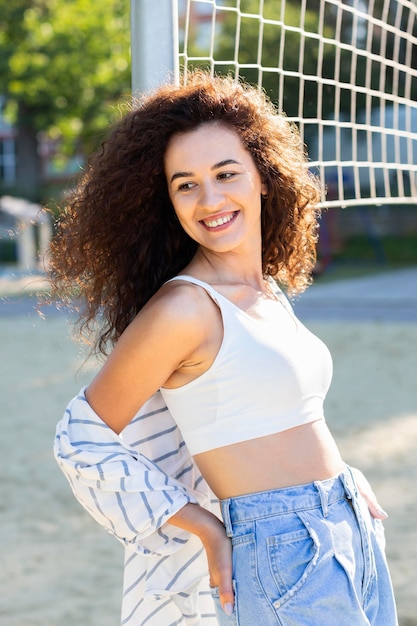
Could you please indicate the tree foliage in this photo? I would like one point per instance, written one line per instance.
(67, 60)
(63, 65)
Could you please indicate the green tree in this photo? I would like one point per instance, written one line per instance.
(63, 66)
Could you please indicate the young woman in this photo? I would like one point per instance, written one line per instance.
(197, 206)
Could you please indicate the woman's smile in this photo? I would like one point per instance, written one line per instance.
(220, 222)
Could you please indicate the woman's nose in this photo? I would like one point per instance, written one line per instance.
(210, 196)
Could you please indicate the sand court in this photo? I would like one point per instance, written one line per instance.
(59, 567)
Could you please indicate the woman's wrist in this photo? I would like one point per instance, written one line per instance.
(197, 520)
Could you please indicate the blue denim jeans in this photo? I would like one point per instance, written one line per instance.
(309, 555)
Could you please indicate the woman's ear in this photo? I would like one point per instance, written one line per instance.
(264, 190)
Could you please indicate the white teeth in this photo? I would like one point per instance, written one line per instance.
(219, 221)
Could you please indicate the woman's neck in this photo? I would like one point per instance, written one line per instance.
(227, 268)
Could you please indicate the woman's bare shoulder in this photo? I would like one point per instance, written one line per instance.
(181, 301)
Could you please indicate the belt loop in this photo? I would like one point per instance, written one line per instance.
(225, 504)
(324, 498)
(350, 483)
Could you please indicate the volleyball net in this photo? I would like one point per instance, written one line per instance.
(345, 71)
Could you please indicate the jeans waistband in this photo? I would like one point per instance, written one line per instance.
(289, 499)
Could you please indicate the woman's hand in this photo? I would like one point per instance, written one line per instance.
(368, 495)
(219, 556)
(217, 544)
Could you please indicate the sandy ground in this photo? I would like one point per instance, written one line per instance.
(58, 567)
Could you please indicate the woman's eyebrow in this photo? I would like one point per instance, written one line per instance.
(225, 162)
(181, 175)
(214, 167)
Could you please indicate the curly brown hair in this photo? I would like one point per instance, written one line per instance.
(117, 237)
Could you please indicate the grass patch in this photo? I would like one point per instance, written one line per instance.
(363, 256)
(390, 249)
(343, 271)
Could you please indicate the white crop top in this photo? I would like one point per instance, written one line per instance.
(270, 374)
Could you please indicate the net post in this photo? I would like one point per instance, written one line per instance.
(154, 43)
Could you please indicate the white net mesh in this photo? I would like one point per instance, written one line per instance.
(344, 70)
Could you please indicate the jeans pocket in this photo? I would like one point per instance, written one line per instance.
(291, 557)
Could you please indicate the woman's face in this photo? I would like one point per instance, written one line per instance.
(215, 187)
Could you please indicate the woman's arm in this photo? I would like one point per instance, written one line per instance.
(122, 489)
(164, 341)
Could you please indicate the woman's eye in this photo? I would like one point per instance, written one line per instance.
(186, 186)
(226, 175)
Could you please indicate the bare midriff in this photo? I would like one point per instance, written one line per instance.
(293, 457)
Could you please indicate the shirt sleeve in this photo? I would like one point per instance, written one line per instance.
(123, 490)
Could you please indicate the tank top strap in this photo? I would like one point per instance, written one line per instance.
(190, 279)
(280, 295)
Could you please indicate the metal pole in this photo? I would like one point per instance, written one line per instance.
(154, 43)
